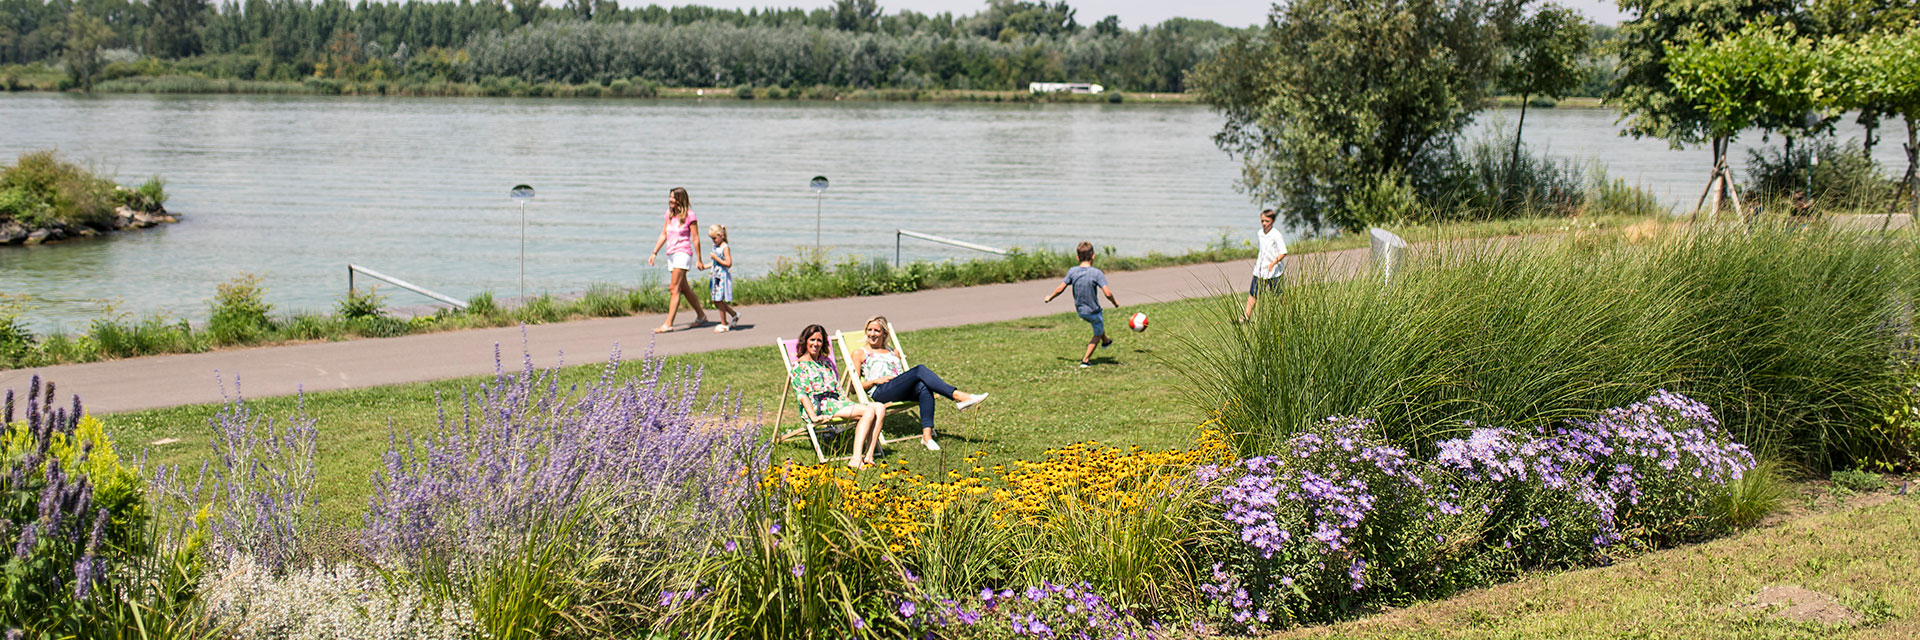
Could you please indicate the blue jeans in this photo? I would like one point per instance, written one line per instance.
(918, 382)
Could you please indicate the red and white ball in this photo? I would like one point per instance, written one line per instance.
(1137, 321)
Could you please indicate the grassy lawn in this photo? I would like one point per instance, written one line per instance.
(1859, 551)
(1040, 398)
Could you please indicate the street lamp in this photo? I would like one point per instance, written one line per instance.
(819, 187)
(522, 194)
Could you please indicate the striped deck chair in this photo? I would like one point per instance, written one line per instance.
(852, 378)
(812, 429)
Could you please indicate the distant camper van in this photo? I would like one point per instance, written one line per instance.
(1069, 87)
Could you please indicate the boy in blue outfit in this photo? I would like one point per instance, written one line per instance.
(1087, 283)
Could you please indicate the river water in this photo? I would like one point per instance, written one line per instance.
(292, 189)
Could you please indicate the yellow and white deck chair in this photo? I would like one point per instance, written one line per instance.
(852, 377)
(813, 429)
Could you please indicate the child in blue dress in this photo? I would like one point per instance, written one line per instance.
(723, 279)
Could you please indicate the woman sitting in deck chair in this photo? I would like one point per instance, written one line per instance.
(820, 389)
(887, 379)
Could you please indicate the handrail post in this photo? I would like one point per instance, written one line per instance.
(896, 248)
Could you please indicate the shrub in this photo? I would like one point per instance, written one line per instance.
(239, 311)
(743, 92)
(1843, 178)
(1334, 519)
(246, 600)
(74, 516)
(41, 189)
(1857, 480)
(360, 305)
(1337, 521)
(150, 197)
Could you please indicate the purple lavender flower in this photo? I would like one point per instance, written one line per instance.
(524, 450)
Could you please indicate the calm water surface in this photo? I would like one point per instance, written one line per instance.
(294, 188)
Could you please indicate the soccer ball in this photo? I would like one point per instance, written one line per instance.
(1137, 322)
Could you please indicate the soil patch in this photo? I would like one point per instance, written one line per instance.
(1803, 605)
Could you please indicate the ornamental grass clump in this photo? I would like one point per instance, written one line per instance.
(1799, 339)
(541, 502)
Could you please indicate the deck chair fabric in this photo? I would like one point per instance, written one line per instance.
(852, 377)
(812, 429)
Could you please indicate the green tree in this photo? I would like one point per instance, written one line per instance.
(85, 37)
(1642, 92)
(1764, 73)
(1333, 96)
(1544, 58)
(1887, 74)
(175, 31)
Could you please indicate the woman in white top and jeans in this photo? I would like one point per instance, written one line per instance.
(887, 380)
(1269, 268)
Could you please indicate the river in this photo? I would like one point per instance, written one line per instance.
(293, 188)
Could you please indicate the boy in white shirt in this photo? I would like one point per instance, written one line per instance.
(1270, 267)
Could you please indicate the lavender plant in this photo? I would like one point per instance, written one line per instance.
(594, 488)
(68, 514)
(262, 475)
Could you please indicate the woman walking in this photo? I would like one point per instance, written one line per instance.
(681, 236)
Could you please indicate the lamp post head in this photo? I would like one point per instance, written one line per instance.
(818, 183)
(520, 193)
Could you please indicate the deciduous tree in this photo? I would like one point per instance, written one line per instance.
(1333, 95)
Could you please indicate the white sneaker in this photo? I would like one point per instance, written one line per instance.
(931, 445)
(971, 400)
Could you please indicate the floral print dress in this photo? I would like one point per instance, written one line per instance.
(819, 385)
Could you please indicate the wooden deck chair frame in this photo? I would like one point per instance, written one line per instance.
(852, 378)
(811, 428)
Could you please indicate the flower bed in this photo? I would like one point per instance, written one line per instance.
(624, 508)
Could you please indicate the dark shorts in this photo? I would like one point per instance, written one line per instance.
(1262, 285)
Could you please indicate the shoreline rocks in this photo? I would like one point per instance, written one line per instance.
(16, 233)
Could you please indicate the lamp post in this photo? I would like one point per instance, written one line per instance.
(522, 194)
(819, 186)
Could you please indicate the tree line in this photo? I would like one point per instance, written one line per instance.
(851, 43)
(1339, 108)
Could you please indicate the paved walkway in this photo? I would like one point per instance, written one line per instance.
(166, 381)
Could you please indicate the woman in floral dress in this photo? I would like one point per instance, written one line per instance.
(818, 387)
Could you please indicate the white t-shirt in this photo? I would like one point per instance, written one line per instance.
(1272, 246)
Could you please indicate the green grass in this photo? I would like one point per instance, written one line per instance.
(1860, 553)
(1040, 400)
(810, 277)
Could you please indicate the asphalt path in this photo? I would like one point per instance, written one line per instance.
(172, 380)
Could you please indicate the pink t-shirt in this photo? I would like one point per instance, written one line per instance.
(680, 236)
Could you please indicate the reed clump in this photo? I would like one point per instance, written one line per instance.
(1798, 338)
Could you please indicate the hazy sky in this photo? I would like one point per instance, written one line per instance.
(1133, 13)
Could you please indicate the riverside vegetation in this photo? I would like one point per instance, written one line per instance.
(632, 501)
(44, 198)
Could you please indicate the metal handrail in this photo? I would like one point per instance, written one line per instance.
(351, 267)
(932, 238)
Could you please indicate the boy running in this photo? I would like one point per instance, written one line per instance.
(1087, 283)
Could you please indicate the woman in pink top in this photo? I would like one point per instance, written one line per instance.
(680, 235)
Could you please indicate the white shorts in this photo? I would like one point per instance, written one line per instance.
(681, 261)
